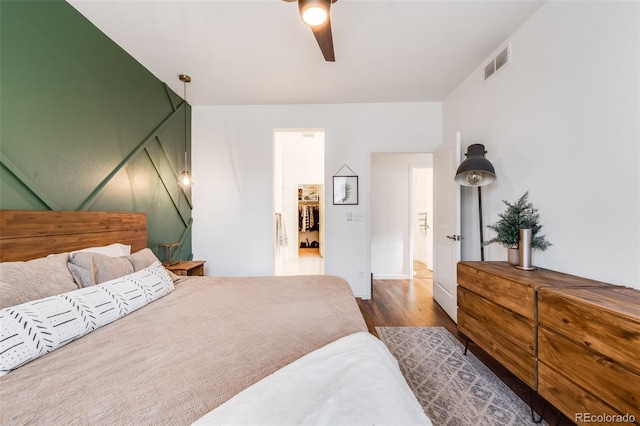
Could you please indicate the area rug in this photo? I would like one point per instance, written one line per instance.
(454, 389)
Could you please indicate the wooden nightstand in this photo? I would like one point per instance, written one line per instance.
(188, 268)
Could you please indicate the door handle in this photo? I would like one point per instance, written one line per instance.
(455, 237)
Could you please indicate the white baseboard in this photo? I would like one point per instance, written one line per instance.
(391, 277)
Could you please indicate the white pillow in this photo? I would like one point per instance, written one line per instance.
(36, 328)
(112, 250)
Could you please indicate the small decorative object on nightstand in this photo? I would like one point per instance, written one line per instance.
(187, 268)
(169, 250)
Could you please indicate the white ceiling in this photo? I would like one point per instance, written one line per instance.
(259, 52)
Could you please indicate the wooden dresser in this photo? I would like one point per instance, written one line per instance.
(576, 341)
(497, 310)
(589, 352)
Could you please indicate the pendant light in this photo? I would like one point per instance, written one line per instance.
(185, 178)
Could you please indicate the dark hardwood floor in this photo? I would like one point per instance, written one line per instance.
(404, 303)
(409, 303)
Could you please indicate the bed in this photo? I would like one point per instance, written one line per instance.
(209, 350)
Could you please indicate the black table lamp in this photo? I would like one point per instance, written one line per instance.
(476, 170)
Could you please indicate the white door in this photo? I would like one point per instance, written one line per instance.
(446, 217)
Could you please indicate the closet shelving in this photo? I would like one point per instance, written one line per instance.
(309, 219)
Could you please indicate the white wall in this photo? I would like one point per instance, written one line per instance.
(562, 121)
(390, 213)
(233, 171)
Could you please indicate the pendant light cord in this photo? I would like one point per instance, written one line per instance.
(185, 125)
(185, 177)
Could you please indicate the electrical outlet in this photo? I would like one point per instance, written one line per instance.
(361, 274)
(349, 216)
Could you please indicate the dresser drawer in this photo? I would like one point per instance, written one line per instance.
(573, 401)
(605, 320)
(521, 362)
(499, 321)
(502, 291)
(595, 373)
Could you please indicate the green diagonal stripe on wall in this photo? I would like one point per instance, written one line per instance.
(26, 182)
(166, 89)
(91, 197)
(164, 184)
(185, 234)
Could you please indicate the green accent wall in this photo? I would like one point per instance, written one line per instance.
(84, 126)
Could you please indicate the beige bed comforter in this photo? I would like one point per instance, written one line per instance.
(176, 359)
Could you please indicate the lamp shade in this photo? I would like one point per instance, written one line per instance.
(314, 12)
(476, 170)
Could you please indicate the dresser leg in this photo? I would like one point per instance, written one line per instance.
(533, 414)
(466, 344)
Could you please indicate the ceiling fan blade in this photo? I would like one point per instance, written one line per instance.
(325, 40)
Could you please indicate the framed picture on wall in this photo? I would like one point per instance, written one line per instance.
(345, 190)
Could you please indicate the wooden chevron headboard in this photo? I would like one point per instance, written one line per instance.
(29, 234)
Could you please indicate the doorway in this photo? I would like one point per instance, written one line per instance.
(421, 220)
(396, 237)
(298, 188)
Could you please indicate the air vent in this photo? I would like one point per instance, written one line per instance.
(496, 64)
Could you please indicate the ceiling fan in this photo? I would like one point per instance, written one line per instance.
(315, 13)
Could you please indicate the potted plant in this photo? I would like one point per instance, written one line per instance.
(519, 215)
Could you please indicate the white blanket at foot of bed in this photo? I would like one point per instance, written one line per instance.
(352, 381)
